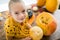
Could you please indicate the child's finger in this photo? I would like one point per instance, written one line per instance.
(28, 38)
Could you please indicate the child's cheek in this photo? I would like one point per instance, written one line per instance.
(25, 15)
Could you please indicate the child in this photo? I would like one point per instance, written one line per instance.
(16, 26)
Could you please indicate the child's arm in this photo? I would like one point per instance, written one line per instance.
(29, 26)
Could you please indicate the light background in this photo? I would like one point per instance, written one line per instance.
(4, 4)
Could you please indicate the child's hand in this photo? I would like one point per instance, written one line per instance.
(27, 38)
(29, 26)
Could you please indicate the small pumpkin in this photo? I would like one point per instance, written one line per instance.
(47, 22)
(51, 5)
(36, 33)
(41, 3)
(35, 9)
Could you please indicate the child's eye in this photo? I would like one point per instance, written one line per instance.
(16, 13)
(23, 11)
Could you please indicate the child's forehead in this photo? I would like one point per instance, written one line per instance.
(18, 7)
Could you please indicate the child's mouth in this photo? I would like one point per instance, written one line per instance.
(22, 19)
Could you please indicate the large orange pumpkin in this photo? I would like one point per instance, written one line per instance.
(36, 33)
(41, 3)
(51, 5)
(47, 22)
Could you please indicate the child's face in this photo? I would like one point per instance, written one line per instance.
(18, 12)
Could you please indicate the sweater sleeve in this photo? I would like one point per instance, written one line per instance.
(8, 29)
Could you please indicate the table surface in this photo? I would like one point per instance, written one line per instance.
(54, 36)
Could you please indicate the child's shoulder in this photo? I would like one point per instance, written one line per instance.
(8, 20)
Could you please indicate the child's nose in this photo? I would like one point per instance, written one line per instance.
(21, 15)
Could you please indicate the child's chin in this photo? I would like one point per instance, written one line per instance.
(20, 21)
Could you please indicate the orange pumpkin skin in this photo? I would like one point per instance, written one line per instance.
(49, 26)
(51, 5)
(41, 3)
(31, 20)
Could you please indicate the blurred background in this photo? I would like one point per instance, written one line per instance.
(4, 10)
(4, 4)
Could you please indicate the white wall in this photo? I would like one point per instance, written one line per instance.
(4, 4)
(3, 1)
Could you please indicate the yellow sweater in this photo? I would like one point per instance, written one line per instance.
(13, 28)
